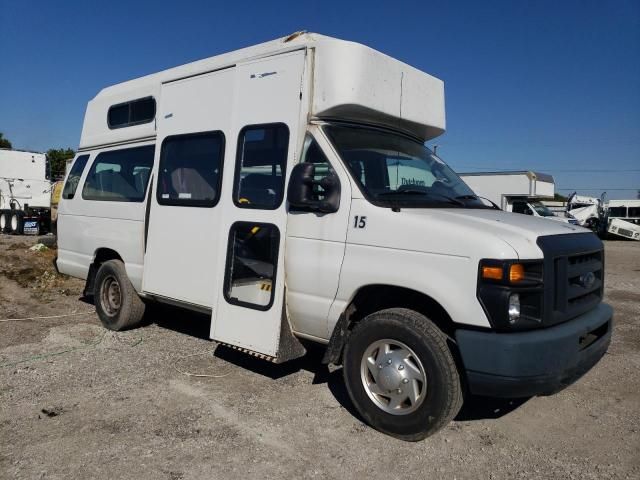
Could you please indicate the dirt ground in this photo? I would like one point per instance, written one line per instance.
(77, 401)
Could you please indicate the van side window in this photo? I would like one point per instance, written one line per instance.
(73, 179)
(618, 212)
(252, 260)
(119, 175)
(312, 153)
(190, 170)
(260, 166)
(135, 112)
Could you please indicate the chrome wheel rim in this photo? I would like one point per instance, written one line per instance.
(14, 223)
(3, 222)
(110, 296)
(393, 377)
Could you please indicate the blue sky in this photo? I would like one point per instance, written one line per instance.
(547, 85)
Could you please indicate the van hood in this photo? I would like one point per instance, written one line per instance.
(519, 231)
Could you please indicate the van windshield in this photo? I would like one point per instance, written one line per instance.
(396, 171)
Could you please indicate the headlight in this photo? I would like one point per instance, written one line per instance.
(514, 308)
(510, 292)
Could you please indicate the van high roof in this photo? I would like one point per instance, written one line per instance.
(347, 80)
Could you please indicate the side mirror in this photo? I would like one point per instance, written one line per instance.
(300, 190)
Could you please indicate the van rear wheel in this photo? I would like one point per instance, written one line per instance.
(17, 222)
(5, 221)
(117, 303)
(400, 374)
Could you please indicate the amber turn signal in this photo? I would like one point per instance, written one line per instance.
(492, 273)
(516, 273)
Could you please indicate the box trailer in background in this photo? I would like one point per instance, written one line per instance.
(25, 192)
(517, 192)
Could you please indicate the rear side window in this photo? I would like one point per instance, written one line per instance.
(261, 166)
(136, 112)
(119, 175)
(190, 170)
(73, 179)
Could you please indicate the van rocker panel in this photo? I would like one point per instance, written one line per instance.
(534, 362)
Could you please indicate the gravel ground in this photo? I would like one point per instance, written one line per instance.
(80, 402)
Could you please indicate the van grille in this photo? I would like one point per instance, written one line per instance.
(584, 279)
(573, 277)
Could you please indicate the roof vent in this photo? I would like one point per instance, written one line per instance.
(294, 35)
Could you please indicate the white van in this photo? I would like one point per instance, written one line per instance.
(517, 192)
(263, 187)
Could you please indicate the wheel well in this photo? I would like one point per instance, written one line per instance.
(373, 298)
(102, 255)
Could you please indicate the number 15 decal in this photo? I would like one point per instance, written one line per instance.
(359, 222)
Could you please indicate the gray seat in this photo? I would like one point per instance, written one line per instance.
(190, 184)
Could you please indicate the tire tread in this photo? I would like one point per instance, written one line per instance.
(426, 329)
(132, 308)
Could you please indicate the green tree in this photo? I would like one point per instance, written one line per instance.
(559, 198)
(4, 142)
(58, 160)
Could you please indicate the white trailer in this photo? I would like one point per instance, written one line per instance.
(616, 217)
(286, 190)
(623, 228)
(516, 191)
(25, 192)
(626, 210)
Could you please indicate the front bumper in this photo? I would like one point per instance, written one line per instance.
(536, 362)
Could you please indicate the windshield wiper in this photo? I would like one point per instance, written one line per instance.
(478, 197)
(451, 200)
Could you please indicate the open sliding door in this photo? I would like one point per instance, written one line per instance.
(266, 121)
(184, 212)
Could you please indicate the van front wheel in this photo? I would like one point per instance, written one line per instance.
(400, 374)
(117, 303)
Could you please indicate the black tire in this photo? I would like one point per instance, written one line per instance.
(592, 224)
(443, 397)
(5, 221)
(17, 222)
(117, 303)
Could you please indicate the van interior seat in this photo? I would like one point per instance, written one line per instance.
(190, 181)
(110, 184)
(140, 179)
